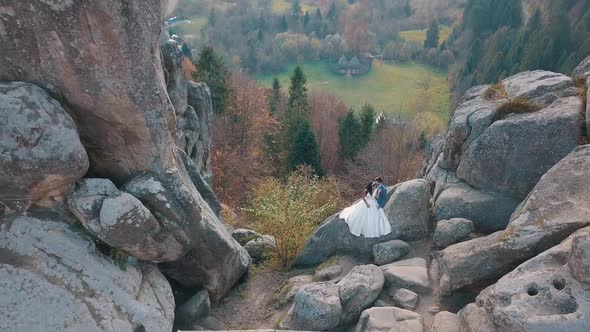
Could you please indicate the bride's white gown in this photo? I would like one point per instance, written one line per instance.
(370, 222)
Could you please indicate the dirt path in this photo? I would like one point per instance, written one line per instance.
(251, 305)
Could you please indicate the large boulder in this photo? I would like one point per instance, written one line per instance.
(408, 209)
(557, 206)
(489, 211)
(583, 69)
(411, 274)
(358, 290)
(445, 321)
(390, 251)
(539, 295)
(488, 166)
(406, 299)
(212, 259)
(579, 260)
(451, 231)
(52, 277)
(476, 319)
(195, 308)
(512, 154)
(334, 237)
(41, 151)
(287, 292)
(387, 319)
(316, 308)
(103, 60)
(261, 248)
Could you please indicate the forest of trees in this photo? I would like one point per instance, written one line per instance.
(250, 35)
(500, 41)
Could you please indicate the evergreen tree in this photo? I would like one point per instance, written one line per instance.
(298, 104)
(367, 123)
(408, 9)
(318, 14)
(186, 51)
(275, 98)
(332, 12)
(212, 71)
(296, 8)
(306, 19)
(304, 148)
(350, 136)
(283, 24)
(432, 35)
(212, 20)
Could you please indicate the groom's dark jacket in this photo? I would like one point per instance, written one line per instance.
(382, 200)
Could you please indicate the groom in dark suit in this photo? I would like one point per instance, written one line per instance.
(381, 195)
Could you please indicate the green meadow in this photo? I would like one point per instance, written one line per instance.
(394, 88)
(420, 35)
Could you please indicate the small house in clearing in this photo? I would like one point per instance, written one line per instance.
(350, 68)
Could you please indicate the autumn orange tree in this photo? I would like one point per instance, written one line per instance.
(243, 139)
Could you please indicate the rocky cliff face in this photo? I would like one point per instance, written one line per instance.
(109, 132)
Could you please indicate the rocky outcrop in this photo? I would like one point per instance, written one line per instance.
(358, 290)
(316, 308)
(408, 209)
(243, 235)
(388, 319)
(390, 251)
(583, 69)
(53, 276)
(539, 295)
(195, 308)
(261, 248)
(579, 260)
(102, 60)
(410, 274)
(489, 163)
(406, 299)
(445, 321)
(557, 206)
(451, 231)
(291, 287)
(41, 152)
(334, 237)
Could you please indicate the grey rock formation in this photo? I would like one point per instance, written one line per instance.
(476, 319)
(41, 151)
(583, 69)
(316, 307)
(486, 168)
(358, 290)
(103, 59)
(557, 206)
(334, 237)
(328, 273)
(489, 211)
(446, 321)
(213, 259)
(53, 277)
(511, 155)
(451, 231)
(261, 248)
(387, 319)
(411, 274)
(195, 308)
(390, 251)
(579, 260)
(539, 295)
(408, 209)
(196, 176)
(243, 235)
(406, 299)
(292, 286)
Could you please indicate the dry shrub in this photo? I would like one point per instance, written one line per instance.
(582, 88)
(291, 210)
(394, 153)
(495, 92)
(516, 106)
(189, 68)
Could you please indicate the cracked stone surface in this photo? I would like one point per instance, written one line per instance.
(53, 278)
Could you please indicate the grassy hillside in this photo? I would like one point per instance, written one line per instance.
(392, 88)
(420, 35)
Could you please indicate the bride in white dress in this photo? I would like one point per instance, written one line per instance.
(365, 218)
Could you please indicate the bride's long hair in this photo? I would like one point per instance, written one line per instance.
(369, 188)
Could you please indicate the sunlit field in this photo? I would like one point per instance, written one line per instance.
(398, 88)
(420, 35)
(283, 6)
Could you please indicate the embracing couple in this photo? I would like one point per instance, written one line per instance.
(366, 217)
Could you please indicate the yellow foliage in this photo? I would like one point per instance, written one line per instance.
(291, 210)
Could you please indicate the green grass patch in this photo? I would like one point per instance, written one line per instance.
(284, 6)
(419, 36)
(393, 88)
(193, 28)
